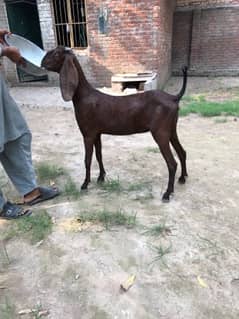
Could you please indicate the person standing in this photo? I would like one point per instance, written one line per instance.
(15, 147)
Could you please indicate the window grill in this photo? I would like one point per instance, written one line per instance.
(70, 23)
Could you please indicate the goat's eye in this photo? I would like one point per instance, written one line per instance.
(56, 55)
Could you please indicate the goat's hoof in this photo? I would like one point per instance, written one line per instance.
(182, 180)
(100, 179)
(166, 198)
(84, 187)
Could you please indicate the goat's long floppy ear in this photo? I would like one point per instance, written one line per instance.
(68, 78)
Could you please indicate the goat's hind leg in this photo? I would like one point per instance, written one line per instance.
(89, 142)
(182, 156)
(98, 152)
(163, 142)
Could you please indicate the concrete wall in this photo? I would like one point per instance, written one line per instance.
(206, 37)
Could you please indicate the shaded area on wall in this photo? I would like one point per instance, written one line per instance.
(207, 40)
(23, 20)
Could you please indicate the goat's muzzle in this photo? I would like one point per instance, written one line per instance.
(54, 59)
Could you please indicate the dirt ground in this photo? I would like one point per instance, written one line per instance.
(77, 274)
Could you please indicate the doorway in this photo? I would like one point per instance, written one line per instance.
(23, 20)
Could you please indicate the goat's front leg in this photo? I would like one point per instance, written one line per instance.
(89, 142)
(98, 152)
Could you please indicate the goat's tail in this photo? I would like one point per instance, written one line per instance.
(182, 91)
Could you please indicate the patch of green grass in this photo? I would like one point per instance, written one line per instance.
(36, 312)
(160, 253)
(145, 197)
(98, 313)
(207, 108)
(47, 172)
(158, 230)
(195, 98)
(34, 228)
(152, 150)
(144, 190)
(112, 185)
(70, 189)
(7, 310)
(139, 186)
(109, 218)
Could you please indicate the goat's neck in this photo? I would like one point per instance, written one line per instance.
(84, 86)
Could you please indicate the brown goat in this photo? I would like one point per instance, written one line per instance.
(98, 113)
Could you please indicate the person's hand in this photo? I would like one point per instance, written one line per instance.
(2, 33)
(13, 54)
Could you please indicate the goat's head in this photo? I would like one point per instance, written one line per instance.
(54, 59)
(61, 60)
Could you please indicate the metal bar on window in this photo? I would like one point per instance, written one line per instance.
(68, 43)
(56, 20)
(70, 22)
(74, 14)
(65, 24)
(59, 19)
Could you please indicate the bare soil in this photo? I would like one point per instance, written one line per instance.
(76, 274)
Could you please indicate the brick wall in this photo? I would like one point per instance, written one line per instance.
(47, 31)
(207, 39)
(46, 24)
(138, 37)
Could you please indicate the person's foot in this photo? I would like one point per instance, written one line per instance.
(31, 196)
(40, 194)
(13, 211)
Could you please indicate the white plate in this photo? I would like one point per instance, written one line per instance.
(29, 51)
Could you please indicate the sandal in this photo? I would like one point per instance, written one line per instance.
(46, 193)
(13, 211)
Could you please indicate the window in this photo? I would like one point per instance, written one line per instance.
(70, 23)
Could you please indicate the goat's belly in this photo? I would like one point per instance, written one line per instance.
(124, 132)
